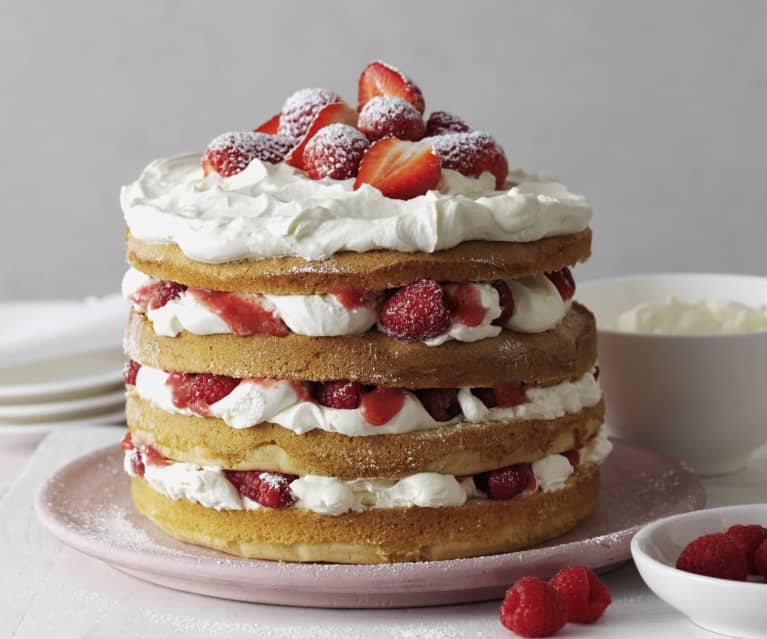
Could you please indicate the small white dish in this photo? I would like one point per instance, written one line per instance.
(37, 411)
(732, 608)
(698, 397)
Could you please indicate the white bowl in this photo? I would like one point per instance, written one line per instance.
(701, 398)
(734, 608)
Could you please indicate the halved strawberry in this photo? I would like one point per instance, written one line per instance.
(399, 169)
(270, 126)
(379, 78)
(329, 114)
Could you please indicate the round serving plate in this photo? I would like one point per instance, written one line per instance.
(87, 505)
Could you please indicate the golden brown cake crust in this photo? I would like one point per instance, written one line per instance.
(463, 449)
(480, 527)
(372, 271)
(568, 351)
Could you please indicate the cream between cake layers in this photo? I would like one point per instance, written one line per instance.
(353, 339)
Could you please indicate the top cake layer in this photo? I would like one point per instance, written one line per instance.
(274, 210)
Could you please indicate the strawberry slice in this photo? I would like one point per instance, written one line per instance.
(399, 169)
(379, 78)
(329, 114)
(270, 126)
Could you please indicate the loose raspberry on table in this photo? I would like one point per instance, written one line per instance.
(441, 122)
(760, 559)
(416, 311)
(748, 537)
(714, 555)
(269, 489)
(130, 372)
(340, 394)
(506, 483)
(335, 152)
(585, 595)
(471, 154)
(387, 116)
(206, 389)
(532, 608)
(506, 301)
(300, 109)
(230, 153)
(440, 403)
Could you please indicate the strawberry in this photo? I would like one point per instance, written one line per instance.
(441, 122)
(379, 78)
(231, 153)
(301, 108)
(386, 116)
(400, 170)
(564, 281)
(327, 115)
(335, 152)
(471, 154)
(271, 126)
(416, 311)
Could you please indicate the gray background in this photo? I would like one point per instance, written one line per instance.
(654, 109)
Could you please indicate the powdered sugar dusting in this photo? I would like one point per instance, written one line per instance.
(300, 109)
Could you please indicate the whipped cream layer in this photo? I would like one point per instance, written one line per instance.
(274, 210)
(277, 401)
(538, 307)
(209, 486)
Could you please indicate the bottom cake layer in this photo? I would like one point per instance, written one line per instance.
(377, 535)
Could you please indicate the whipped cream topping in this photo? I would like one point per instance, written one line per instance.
(701, 317)
(333, 496)
(538, 307)
(276, 401)
(274, 210)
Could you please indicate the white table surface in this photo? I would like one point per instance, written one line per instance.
(48, 590)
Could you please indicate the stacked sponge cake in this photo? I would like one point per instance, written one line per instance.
(353, 339)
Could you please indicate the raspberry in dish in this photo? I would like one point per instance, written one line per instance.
(344, 348)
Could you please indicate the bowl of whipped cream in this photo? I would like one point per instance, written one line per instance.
(683, 363)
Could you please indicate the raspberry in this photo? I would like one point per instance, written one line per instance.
(157, 294)
(335, 152)
(486, 396)
(465, 304)
(340, 394)
(564, 282)
(180, 384)
(130, 371)
(387, 116)
(230, 153)
(416, 311)
(440, 403)
(301, 108)
(206, 389)
(760, 558)
(269, 489)
(573, 456)
(714, 555)
(506, 300)
(441, 122)
(748, 538)
(471, 154)
(585, 595)
(509, 395)
(532, 608)
(506, 483)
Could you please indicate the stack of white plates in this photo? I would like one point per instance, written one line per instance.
(75, 386)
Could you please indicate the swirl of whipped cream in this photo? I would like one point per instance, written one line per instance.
(274, 210)
(276, 401)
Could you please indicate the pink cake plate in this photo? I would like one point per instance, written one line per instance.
(87, 505)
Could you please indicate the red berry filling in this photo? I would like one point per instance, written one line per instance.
(386, 116)
(244, 314)
(130, 372)
(503, 395)
(440, 403)
(565, 283)
(157, 294)
(465, 304)
(532, 608)
(585, 595)
(381, 404)
(417, 311)
(506, 302)
(340, 394)
(269, 489)
(506, 483)
(198, 391)
(335, 152)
